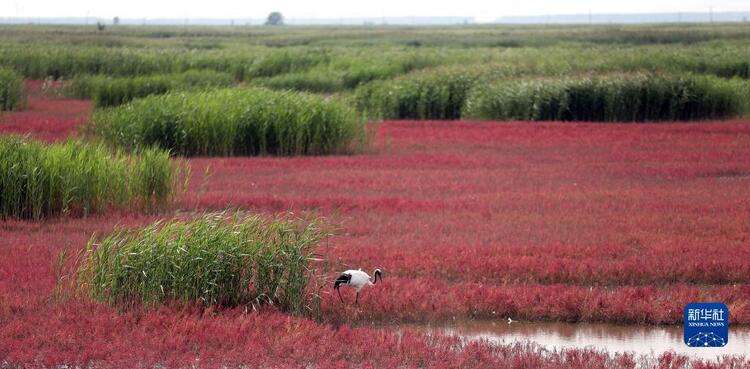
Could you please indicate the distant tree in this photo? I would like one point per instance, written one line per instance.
(116, 21)
(100, 26)
(275, 19)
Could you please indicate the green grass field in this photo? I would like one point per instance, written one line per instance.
(388, 72)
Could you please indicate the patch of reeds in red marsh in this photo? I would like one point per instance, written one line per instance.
(44, 118)
(534, 221)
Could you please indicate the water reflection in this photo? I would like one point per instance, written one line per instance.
(639, 339)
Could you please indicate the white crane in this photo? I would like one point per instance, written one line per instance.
(356, 279)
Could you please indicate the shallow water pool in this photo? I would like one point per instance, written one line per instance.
(638, 339)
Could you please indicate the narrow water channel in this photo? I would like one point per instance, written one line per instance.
(638, 339)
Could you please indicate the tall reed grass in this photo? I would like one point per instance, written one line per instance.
(425, 96)
(346, 72)
(233, 122)
(38, 181)
(370, 53)
(286, 62)
(11, 89)
(312, 81)
(113, 91)
(42, 60)
(213, 259)
(638, 98)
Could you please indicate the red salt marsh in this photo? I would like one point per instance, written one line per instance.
(45, 119)
(614, 223)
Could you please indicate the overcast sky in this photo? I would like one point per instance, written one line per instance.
(480, 9)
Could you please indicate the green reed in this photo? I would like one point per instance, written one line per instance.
(213, 259)
(628, 98)
(113, 91)
(38, 180)
(233, 122)
(11, 89)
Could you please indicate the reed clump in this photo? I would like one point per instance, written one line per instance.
(112, 91)
(11, 89)
(276, 63)
(228, 122)
(78, 178)
(639, 98)
(425, 96)
(213, 259)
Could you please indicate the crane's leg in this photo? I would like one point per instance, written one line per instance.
(342, 299)
(356, 301)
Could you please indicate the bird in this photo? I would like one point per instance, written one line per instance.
(510, 321)
(356, 279)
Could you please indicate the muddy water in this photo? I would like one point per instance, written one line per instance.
(638, 339)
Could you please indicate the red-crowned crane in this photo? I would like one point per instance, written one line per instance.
(356, 279)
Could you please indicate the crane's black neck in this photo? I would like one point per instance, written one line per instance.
(377, 275)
